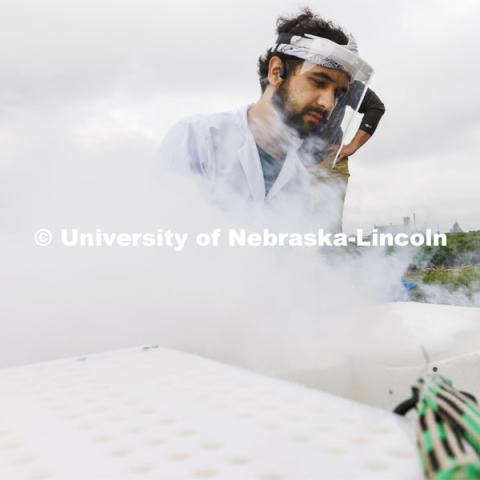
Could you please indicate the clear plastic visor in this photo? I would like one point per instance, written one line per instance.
(333, 81)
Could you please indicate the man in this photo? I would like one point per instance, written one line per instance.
(288, 141)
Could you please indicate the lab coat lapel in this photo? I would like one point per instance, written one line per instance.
(286, 174)
(249, 159)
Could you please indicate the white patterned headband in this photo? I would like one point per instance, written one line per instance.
(324, 52)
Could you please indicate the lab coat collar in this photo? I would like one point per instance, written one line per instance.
(250, 160)
(287, 173)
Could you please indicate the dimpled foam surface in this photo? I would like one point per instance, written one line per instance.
(152, 413)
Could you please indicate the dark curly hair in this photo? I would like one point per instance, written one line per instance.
(305, 22)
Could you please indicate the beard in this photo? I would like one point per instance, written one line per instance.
(294, 118)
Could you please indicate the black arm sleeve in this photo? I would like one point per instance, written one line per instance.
(372, 109)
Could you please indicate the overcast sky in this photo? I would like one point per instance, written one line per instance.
(103, 69)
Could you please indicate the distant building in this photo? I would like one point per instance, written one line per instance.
(456, 228)
(405, 227)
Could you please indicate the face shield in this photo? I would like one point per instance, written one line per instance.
(322, 99)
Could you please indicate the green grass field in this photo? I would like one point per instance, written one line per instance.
(455, 267)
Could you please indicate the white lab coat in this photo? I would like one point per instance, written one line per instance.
(221, 148)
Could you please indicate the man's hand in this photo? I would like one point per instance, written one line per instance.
(358, 140)
(347, 151)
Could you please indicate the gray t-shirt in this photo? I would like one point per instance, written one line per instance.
(271, 168)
